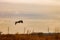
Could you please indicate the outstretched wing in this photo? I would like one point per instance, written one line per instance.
(15, 23)
(21, 21)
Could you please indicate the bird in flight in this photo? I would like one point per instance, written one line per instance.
(20, 21)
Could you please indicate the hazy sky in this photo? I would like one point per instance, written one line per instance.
(37, 15)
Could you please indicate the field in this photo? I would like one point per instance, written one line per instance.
(32, 36)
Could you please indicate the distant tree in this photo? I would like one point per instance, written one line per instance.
(57, 30)
(0, 33)
(17, 33)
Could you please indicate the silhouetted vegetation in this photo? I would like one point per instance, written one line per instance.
(32, 36)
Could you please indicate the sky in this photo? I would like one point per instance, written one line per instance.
(37, 15)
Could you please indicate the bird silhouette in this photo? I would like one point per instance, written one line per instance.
(20, 21)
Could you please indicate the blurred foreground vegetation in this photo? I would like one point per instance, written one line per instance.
(32, 36)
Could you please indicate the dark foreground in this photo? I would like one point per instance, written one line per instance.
(32, 36)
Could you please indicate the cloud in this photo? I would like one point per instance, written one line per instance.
(44, 2)
(32, 8)
(25, 1)
(31, 16)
